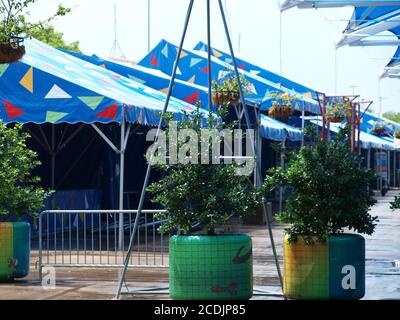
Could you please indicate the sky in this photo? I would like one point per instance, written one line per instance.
(298, 43)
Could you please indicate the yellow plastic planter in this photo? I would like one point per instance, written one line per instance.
(14, 250)
(331, 270)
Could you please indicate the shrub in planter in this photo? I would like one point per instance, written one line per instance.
(207, 265)
(328, 196)
(19, 196)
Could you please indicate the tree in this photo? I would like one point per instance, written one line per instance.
(327, 190)
(391, 115)
(47, 34)
(20, 193)
(15, 24)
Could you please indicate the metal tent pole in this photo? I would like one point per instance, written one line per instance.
(53, 157)
(121, 181)
(282, 166)
(209, 54)
(148, 171)
(265, 211)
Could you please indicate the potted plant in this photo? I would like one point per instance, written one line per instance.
(379, 128)
(228, 92)
(19, 196)
(337, 112)
(397, 133)
(14, 27)
(282, 106)
(209, 265)
(328, 201)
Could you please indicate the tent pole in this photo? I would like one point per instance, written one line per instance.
(303, 114)
(389, 176)
(53, 157)
(148, 171)
(121, 181)
(265, 209)
(282, 165)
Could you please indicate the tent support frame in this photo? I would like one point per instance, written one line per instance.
(247, 118)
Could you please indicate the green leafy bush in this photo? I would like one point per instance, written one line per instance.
(19, 191)
(15, 23)
(202, 193)
(328, 190)
(394, 205)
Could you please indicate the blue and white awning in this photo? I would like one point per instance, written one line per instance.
(313, 4)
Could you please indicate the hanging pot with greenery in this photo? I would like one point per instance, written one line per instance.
(20, 196)
(328, 202)
(282, 106)
(209, 265)
(228, 92)
(14, 27)
(337, 112)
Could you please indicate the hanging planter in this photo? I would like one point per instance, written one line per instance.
(397, 134)
(221, 98)
(379, 128)
(282, 106)
(280, 111)
(337, 112)
(228, 93)
(11, 51)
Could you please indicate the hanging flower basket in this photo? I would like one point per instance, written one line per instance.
(337, 112)
(280, 111)
(221, 98)
(335, 118)
(11, 51)
(378, 130)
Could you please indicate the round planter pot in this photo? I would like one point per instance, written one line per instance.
(211, 267)
(15, 249)
(331, 270)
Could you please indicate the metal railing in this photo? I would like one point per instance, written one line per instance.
(90, 239)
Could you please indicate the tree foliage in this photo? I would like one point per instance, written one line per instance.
(20, 193)
(328, 191)
(14, 23)
(202, 193)
(391, 115)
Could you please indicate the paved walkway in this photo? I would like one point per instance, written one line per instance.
(383, 280)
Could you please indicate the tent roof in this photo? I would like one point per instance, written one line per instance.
(370, 20)
(48, 85)
(193, 68)
(283, 82)
(191, 93)
(312, 4)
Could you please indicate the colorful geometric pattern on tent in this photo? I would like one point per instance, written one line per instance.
(258, 71)
(193, 68)
(188, 92)
(48, 85)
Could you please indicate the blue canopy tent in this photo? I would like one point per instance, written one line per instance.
(283, 82)
(193, 68)
(191, 93)
(314, 4)
(50, 86)
(371, 21)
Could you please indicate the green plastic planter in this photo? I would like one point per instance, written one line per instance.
(211, 267)
(331, 270)
(14, 250)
